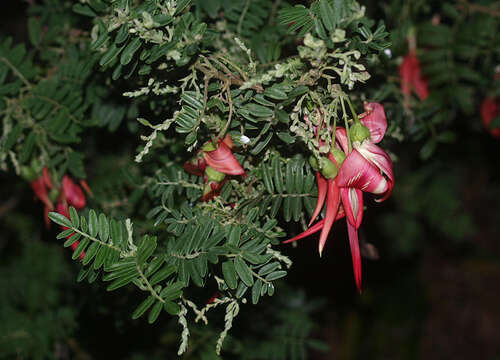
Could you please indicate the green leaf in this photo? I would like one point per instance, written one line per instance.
(146, 249)
(130, 50)
(154, 312)
(75, 219)
(262, 144)
(103, 228)
(143, 307)
(327, 15)
(64, 234)
(93, 224)
(162, 274)
(276, 275)
(75, 237)
(120, 282)
(171, 307)
(35, 31)
(278, 175)
(276, 206)
(257, 287)
(172, 291)
(80, 248)
(27, 149)
(91, 252)
(234, 235)
(243, 271)
(60, 219)
(259, 110)
(286, 137)
(269, 268)
(266, 177)
(229, 273)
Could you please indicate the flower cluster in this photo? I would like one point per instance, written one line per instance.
(68, 194)
(214, 162)
(354, 165)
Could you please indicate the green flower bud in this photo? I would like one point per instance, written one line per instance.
(338, 155)
(214, 175)
(328, 169)
(359, 132)
(314, 162)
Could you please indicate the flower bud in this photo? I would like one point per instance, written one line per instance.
(314, 162)
(328, 168)
(214, 175)
(338, 155)
(359, 132)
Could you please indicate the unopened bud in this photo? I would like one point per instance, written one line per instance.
(314, 162)
(338, 155)
(359, 132)
(328, 168)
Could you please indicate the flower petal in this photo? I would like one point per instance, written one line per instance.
(355, 253)
(40, 190)
(314, 229)
(352, 199)
(374, 119)
(73, 193)
(223, 160)
(382, 161)
(341, 137)
(322, 187)
(332, 206)
(357, 172)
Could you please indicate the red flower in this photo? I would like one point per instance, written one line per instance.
(73, 193)
(196, 165)
(489, 111)
(223, 160)
(39, 187)
(411, 78)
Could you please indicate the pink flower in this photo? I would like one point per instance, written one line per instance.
(73, 193)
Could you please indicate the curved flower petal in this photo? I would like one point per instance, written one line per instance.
(223, 160)
(314, 229)
(40, 190)
(352, 199)
(73, 193)
(341, 137)
(322, 187)
(355, 253)
(374, 119)
(332, 206)
(382, 161)
(357, 172)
